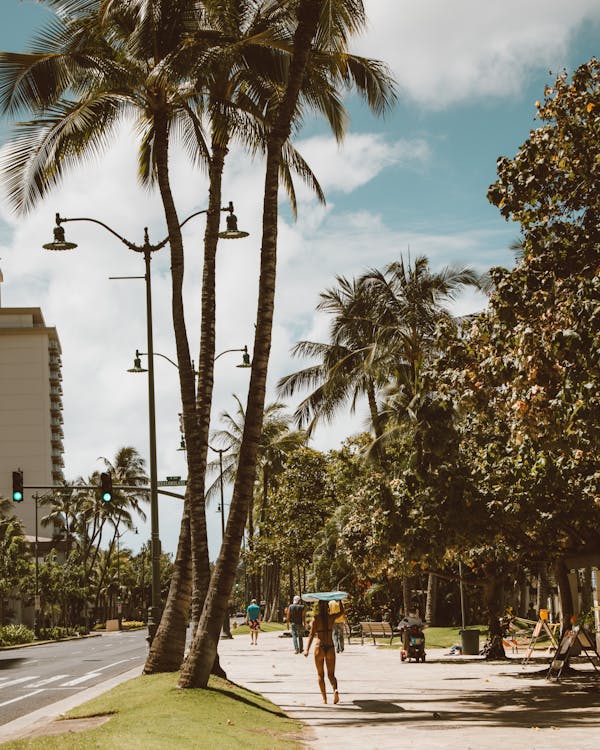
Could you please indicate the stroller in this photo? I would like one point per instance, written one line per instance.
(413, 644)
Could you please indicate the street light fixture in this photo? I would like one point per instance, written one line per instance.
(59, 243)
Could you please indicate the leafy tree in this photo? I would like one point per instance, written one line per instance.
(545, 328)
(15, 561)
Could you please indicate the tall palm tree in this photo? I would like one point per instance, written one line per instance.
(410, 302)
(322, 25)
(242, 85)
(237, 90)
(348, 367)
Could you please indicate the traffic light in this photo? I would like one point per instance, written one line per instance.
(17, 477)
(106, 486)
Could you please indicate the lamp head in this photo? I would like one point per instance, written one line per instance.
(232, 232)
(182, 444)
(245, 359)
(59, 242)
(137, 364)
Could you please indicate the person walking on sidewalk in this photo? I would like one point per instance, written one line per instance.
(253, 620)
(296, 618)
(339, 620)
(321, 630)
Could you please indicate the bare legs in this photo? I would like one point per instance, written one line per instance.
(326, 656)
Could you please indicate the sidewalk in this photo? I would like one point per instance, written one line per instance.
(455, 703)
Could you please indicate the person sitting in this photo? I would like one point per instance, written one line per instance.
(409, 621)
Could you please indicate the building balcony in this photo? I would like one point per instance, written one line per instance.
(58, 474)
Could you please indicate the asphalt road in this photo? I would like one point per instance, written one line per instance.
(34, 677)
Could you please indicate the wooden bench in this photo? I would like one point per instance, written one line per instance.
(352, 631)
(377, 630)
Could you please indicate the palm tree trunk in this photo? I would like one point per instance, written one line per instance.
(197, 667)
(201, 563)
(168, 647)
(431, 604)
(169, 640)
(492, 593)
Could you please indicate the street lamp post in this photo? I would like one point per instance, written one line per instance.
(36, 598)
(59, 243)
(220, 451)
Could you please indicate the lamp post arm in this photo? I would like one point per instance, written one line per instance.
(243, 349)
(197, 213)
(60, 220)
(157, 354)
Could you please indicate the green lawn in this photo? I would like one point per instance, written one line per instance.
(150, 713)
(447, 637)
(265, 627)
(441, 637)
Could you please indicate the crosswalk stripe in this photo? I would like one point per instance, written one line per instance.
(79, 680)
(48, 680)
(19, 681)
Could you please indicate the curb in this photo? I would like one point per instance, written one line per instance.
(45, 643)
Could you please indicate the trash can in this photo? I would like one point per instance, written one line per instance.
(470, 641)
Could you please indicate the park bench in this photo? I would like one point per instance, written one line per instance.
(352, 631)
(378, 630)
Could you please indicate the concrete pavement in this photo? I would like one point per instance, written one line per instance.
(455, 703)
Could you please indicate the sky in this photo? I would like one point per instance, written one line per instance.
(468, 75)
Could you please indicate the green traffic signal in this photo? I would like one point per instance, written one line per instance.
(17, 486)
(106, 486)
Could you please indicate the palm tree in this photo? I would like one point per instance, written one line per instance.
(323, 25)
(411, 303)
(349, 365)
(238, 90)
(62, 514)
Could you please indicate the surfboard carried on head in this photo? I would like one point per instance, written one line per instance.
(324, 596)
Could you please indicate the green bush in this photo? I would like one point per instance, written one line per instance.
(132, 624)
(13, 635)
(56, 633)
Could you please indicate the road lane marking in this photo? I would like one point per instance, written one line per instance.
(79, 680)
(48, 680)
(20, 698)
(114, 664)
(19, 681)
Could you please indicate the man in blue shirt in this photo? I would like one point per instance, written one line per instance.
(253, 619)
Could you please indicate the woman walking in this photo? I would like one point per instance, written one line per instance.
(321, 630)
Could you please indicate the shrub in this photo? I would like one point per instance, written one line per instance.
(13, 635)
(132, 624)
(56, 633)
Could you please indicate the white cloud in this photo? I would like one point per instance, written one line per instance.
(362, 156)
(445, 52)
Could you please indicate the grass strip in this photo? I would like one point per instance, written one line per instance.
(150, 713)
(265, 627)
